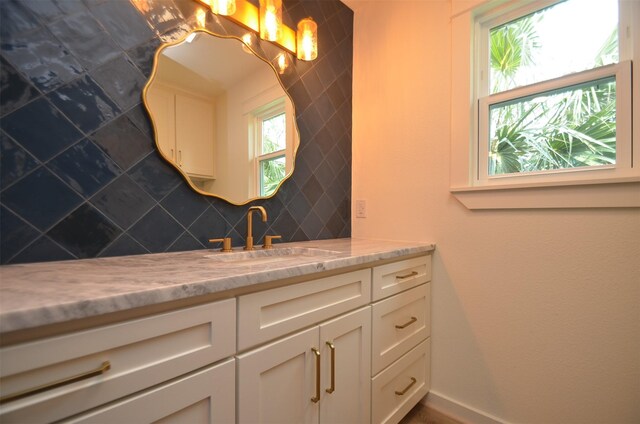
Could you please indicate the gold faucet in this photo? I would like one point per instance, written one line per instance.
(249, 245)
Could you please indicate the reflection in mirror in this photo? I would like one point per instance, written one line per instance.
(222, 117)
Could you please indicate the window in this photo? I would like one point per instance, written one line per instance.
(551, 99)
(272, 155)
(551, 94)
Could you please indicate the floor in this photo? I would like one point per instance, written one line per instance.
(420, 414)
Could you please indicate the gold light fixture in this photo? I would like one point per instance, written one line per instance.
(267, 21)
(223, 7)
(270, 19)
(307, 43)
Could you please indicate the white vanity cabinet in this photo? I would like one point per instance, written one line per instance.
(352, 346)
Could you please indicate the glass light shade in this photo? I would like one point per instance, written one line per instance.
(282, 63)
(307, 42)
(201, 17)
(270, 19)
(223, 7)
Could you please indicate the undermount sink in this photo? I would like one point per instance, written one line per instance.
(263, 256)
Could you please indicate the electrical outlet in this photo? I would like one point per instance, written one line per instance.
(361, 208)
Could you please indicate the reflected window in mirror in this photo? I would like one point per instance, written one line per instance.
(270, 138)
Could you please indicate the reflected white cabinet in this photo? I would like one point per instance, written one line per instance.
(185, 129)
(321, 374)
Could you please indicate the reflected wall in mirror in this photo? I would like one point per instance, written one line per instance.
(222, 117)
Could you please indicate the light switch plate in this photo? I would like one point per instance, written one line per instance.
(361, 208)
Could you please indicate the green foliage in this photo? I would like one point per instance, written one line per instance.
(568, 128)
(512, 46)
(272, 171)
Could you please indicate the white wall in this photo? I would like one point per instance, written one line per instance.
(535, 313)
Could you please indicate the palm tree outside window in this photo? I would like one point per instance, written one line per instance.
(553, 95)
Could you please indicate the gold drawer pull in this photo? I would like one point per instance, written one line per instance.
(333, 368)
(402, 277)
(316, 398)
(411, 321)
(406, 389)
(63, 382)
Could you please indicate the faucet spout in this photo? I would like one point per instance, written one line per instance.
(263, 212)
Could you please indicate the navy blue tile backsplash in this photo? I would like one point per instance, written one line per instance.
(80, 176)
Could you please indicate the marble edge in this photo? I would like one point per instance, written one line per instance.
(27, 318)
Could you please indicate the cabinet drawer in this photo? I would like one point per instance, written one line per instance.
(141, 353)
(273, 313)
(399, 276)
(206, 396)
(401, 386)
(399, 324)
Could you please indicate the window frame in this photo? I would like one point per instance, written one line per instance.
(622, 74)
(258, 116)
(478, 191)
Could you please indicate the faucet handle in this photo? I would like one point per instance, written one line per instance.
(267, 241)
(226, 243)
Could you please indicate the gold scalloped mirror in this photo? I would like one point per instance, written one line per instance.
(222, 117)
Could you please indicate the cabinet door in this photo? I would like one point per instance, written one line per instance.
(348, 370)
(276, 382)
(205, 397)
(194, 135)
(162, 102)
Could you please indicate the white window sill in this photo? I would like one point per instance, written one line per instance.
(609, 193)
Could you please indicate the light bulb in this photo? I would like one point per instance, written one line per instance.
(201, 17)
(307, 47)
(223, 7)
(270, 19)
(283, 63)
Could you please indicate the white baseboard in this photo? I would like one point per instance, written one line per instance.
(457, 410)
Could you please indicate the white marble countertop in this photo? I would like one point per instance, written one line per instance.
(32, 295)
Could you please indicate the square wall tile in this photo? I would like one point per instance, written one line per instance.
(122, 81)
(84, 167)
(85, 39)
(16, 90)
(123, 22)
(15, 162)
(85, 104)
(42, 58)
(40, 198)
(41, 129)
(85, 232)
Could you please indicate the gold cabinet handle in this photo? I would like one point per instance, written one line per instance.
(402, 277)
(411, 321)
(63, 382)
(316, 398)
(333, 368)
(406, 389)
